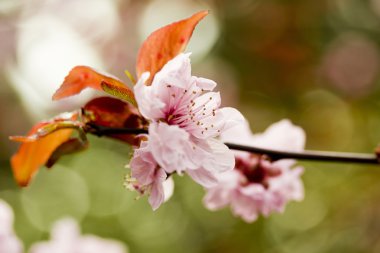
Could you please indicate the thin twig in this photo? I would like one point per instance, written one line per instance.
(102, 130)
(322, 156)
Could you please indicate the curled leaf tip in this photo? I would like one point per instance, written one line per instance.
(73, 83)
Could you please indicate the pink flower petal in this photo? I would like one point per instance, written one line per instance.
(171, 147)
(9, 242)
(143, 165)
(157, 194)
(244, 207)
(219, 196)
(217, 156)
(6, 218)
(282, 135)
(176, 72)
(150, 106)
(168, 186)
(205, 84)
(203, 177)
(66, 238)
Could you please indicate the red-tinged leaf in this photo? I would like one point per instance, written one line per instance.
(110, 112)
(165, 43)
(73, 145)
(32, 155)
(82, 77)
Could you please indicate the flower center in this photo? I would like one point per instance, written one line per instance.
(192, 109)
(257, 170)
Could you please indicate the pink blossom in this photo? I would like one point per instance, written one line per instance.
(150, 178)
(9, 243)
(66, 238)
(257, 186)
(178, 98)
(185, 121)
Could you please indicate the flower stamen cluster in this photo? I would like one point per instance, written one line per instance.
(258, 170)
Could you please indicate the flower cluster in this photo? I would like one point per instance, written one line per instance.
(184, 121)
(184, 132)
(256, 185)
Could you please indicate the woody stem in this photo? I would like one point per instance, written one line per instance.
(322, 156)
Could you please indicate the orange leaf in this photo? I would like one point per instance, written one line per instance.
(82, 77)
(32, 155)
(164, 44)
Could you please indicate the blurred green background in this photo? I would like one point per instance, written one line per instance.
(314, 62)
